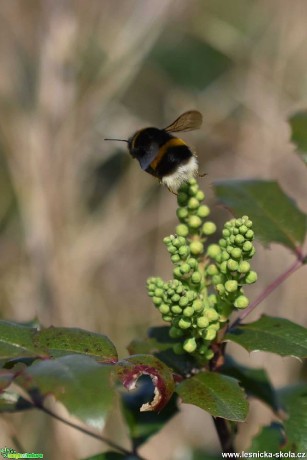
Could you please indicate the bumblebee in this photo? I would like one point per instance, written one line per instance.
(165, 156)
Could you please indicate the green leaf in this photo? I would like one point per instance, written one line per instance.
(60, 341)
(275, 216)
(275, 335)
(17, 341)
(294, 400)
(217, 394)
(255, 382)
(298, 123)
(78, 382)
(131, 369)
(270, 439)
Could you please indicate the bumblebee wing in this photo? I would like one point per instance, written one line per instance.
(188, 121)
(148, 157)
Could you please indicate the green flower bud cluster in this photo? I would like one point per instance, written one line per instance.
(186, 267)
(192, 214)
(192, 316)
(230, 268)
(196, 314)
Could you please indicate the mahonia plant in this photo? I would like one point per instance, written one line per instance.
(208, 279)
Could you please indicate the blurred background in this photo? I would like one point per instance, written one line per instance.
(81, 225)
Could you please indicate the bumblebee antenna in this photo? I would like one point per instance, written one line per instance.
(120, 140)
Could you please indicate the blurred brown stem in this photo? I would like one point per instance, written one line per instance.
(225, 434)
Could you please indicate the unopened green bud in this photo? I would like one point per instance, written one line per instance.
(222, 243)
(191, 295)
(182, 199)
(229, 248)
(244, 267)
(249, 234)
(185, 268)
(238, 222)
(243, 229)
(226, 232)
(196, 247)
(175, 258)
(167, 318)
(202, 322)
(196, 278)
(190, 345)
(247, 246)
(211, 314)
(177, 272)
(182, 230)
(184, 251)
(225, 255)
(232, 265)
(251, 277)
(193, 190)
(200, 195)
(182, 213)
(209, 228)
(193, 203)
(183, 302)
(239, 239)
(157, 301)
(241, 302)
(210, 334)
(198, 305)
(159, 292)
(213, 250)
(249, 223)
(177, 243)
(216, 326)
(212, 270)
(193, 263)
(220, 288)
(209, 354)
(194, 222)
(188, 312)
(171, 249)
(184, 323)
(236, 253)
(231, 286)
(176, 309)
(164, 309)
(175, 298)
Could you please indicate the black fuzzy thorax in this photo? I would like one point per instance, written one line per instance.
(145, 145)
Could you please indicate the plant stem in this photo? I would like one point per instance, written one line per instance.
(110, 443)
(267, 291)
(224, 433)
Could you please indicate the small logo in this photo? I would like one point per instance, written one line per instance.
(7, 452)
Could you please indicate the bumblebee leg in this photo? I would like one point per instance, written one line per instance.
(202, 175)
(172, 191)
